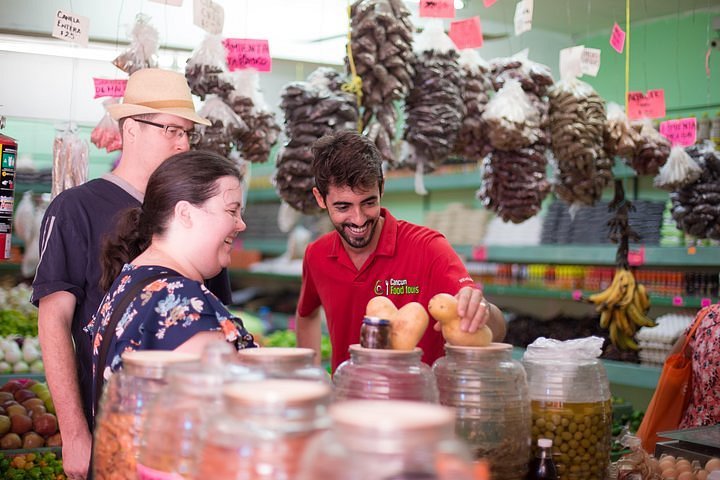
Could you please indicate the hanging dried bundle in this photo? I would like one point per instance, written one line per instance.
(472, 142)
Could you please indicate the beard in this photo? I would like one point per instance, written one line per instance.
(357, 241)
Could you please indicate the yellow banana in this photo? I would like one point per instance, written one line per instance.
(638, 317)
(605, 316)
(614, 334)
(623, 323)
(644, 298)
(629, 291)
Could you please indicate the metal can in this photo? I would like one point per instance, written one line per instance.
(375, 333)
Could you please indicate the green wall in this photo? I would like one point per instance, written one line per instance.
(667, 54)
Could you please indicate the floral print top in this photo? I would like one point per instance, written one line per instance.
(704, 406)
(167, 312)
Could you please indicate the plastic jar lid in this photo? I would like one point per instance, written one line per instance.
(276, 392)
(152, 363)
(391, 415)
(544, 442)
(272, 354)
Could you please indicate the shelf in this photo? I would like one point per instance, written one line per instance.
(620, 373)
(538, 292)
(590, 255)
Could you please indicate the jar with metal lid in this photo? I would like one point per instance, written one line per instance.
(280, 362)
(178, 418)
(123, 410)
(375, 333)
(489, 393)
(570, 404)
(388, 440)
(264, 430)
(375, 374)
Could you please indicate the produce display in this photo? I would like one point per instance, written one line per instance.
(312, 109)
(434, 105)
(381, 37)
(696, 206)
(577, 124)
(641, 464)
(46, 466)
(27, 416)
(472, 142)
(443, 308)
(20, 354)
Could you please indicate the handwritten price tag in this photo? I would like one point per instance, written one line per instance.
(71, 28)
(523, 16)
(479, 253)
(590, 61)
(617, 38)
(209, 16)
(244, 53)
(636, 257)
(680, 132)
(437, 8)
(577, 295)
(705, 302)
(109, 88)
(678, 301)
(649, 105)
(467, 33)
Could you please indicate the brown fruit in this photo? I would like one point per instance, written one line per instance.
(32, 440)
(408, 326)
(45, 424)
(36, 410)
(54, 441)
(443, 307)
(32, 401)
(11, 386)
(16, 409)
(4, 424)
(21, 424)
(381, 307)
(4, 396)
(23, 394)
(10, 441)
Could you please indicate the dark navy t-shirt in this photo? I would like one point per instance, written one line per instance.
(70, 245)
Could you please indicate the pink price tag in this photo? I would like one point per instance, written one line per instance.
(678, 301)
(577, 295)
(617, 38)
(636, 257)
(467, 33)
(705, 302)
(437, 8)
(489, 3)
(244, 53)
(646, 105)
(109, 88)
(681, 132)
(479, 253)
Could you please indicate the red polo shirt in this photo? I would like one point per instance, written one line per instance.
(412, 263)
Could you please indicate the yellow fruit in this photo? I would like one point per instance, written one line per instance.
(408, 326)
(381, 307)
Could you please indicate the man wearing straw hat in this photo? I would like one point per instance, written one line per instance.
(156, 120)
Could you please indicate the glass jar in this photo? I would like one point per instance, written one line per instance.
(123, 410)
(489, 392)
(280, 362)
(388, 440)
(375, 333)
(374, 374)
(570, 404)
(264, 430)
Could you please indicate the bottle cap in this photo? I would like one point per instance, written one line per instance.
(544, 442)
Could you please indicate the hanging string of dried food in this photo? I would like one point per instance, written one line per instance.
(472, 142)
(381, 47)
(206, 69)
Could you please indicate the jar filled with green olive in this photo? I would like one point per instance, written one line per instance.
(570, 404)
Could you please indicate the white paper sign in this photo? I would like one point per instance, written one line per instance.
(570, 62)
(590, 63)
(173, 3)
(209, 16)
(523, 16)
(71, 28)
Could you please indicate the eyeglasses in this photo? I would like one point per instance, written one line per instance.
(173, 131)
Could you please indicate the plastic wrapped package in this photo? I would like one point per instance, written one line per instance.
(106, 133)
(434, 105)
(472, 142)
(651, 149)
(381, 46)
(144, 41)
(679, 170)
(513, 121)
(225, 126)
(577, 125)
(206, 71)
(70, 161)
(621, 139)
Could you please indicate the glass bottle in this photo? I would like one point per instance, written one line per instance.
(263, 430)
(281, 362)
(375, 333)
(570, 405)
(123, 410)
(489, 393)
(375, 374)
(388, 440)
(542, 466)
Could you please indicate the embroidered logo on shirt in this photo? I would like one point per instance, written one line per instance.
(395, 287)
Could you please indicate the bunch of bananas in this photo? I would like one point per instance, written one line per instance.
(623, 308)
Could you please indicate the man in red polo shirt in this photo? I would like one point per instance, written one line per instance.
(371, 253)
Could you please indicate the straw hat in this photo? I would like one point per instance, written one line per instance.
(152, 90)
